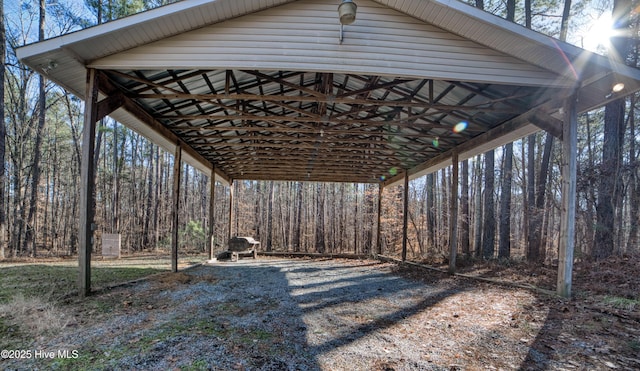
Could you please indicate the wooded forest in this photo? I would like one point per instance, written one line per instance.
(509, 197)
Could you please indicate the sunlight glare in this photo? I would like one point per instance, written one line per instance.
(599, 33)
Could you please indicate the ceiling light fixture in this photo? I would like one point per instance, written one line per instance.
(347, 12)
(616, 88)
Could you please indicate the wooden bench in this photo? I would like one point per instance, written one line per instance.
(240, 246)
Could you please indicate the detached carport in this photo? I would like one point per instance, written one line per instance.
(277, 90)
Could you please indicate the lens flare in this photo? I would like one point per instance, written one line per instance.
(460, 127)
(382, 178)
(393, 171)
(436, 142)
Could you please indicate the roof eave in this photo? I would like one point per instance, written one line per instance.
(118, 25)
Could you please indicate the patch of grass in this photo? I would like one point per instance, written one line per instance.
(109, 276)
(31, 302)
(171, 279)
(254, 335)
(231, 308)
(98, 306)
(169, 330)
(200, 327)
(212, 327)
(11, 336)
(262, 334)
(83, 361)
(33, 316)
(267, 304)
(88, 359)
(24, 319)
(621, 303)
(36, 280)
(198, 365)
(56, 281)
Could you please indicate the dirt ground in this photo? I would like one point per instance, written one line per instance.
(321, 314)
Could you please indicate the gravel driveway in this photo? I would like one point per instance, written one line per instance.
(295, 314)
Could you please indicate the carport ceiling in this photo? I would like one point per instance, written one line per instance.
(267, 90)
(294, 125)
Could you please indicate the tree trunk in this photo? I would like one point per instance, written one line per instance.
(634, 186)
(355, 219)
(431, 224)
(320, 240)
(477, 230)
(31, 228)
(504, 239)
(504, 245)
(464, 209)
(296, 235)
(115, 203)
(536, 196)
(443, 226)
(525, 214)
(609, 186)
(257, 212)
(3, 134)
(150, 198)
(489, 229)
(533, 244)
(564, 27)
(158, 198)
(270, 218)
(539, 233)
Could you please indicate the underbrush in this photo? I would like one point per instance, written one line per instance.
(25, 318)
(35, 296)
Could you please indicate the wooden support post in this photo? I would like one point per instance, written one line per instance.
(212, 198)
(87, 184)
(453, 214)
(378, 236)
(405, 215)
(230, 209)
(568, 210)
(177, 172)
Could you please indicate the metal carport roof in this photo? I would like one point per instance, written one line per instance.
(265, 89)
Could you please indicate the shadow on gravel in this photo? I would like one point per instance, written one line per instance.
(257, 324)
(359, 301)
(325, 305)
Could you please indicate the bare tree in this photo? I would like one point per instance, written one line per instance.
(609, 186)
(489, 224)
(3, 134)
(320, 210)
(504, 242)
(477, 241)
(270, 218)
(464, 208)
(31, 230)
